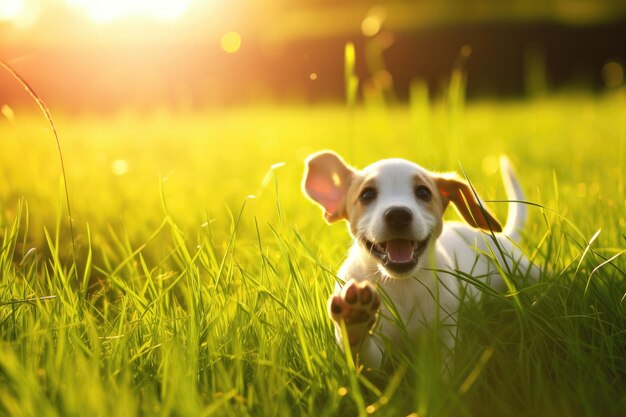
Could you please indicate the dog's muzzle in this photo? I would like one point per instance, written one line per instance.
(397, 255)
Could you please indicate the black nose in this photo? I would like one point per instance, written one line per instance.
(398, 217)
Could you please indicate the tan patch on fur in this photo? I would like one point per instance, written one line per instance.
(435, 205)
(459, 193)
(354, 207)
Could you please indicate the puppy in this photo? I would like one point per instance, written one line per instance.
(404, 251)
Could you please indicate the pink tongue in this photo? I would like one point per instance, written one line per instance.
(400, 250)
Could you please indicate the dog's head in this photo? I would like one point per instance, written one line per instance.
(394, 207)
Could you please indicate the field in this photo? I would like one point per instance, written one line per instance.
(201, 272)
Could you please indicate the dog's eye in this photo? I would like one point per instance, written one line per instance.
(423, 193)
(367, 195)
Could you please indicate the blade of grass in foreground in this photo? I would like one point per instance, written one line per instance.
(46, 112)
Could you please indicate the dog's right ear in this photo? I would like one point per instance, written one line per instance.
(326, 181)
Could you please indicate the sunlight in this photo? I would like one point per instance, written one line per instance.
(106, 11)
(21, 14)
(10, 9)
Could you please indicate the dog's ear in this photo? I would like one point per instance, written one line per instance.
(326, 181)
(458, 192)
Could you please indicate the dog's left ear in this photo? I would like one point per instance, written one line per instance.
(459, 193)
(326, 181)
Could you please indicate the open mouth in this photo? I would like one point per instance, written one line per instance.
(397, 255)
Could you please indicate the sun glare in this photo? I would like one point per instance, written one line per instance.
(23, 13)
(106, 11)
(10, 9)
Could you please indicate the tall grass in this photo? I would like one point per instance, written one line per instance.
(196, 298)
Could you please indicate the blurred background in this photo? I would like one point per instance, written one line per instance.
(188, 107)
(103, 56)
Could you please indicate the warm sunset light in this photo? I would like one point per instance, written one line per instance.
(22, 14)
(10, 9)
(169, 173)
(100, 11)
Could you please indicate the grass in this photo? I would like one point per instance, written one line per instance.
(190, 297)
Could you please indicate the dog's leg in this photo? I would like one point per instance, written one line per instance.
(357, 306)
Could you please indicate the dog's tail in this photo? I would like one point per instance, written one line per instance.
(516, 217)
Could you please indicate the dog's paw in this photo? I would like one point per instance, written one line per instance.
(357, 305)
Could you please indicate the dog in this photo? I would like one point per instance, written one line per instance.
(402, 249)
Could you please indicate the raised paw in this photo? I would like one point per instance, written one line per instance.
(357, 305)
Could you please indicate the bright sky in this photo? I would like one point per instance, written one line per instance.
(24, 12)
(11, 9)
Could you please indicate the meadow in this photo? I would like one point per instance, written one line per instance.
(201, 272)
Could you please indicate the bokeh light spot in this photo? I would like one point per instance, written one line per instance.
(466, 51)
(613, 74)
(490, 165)
(383, 79)
(313, 76)
(371, 25)
(119, 167)
(231, 42)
